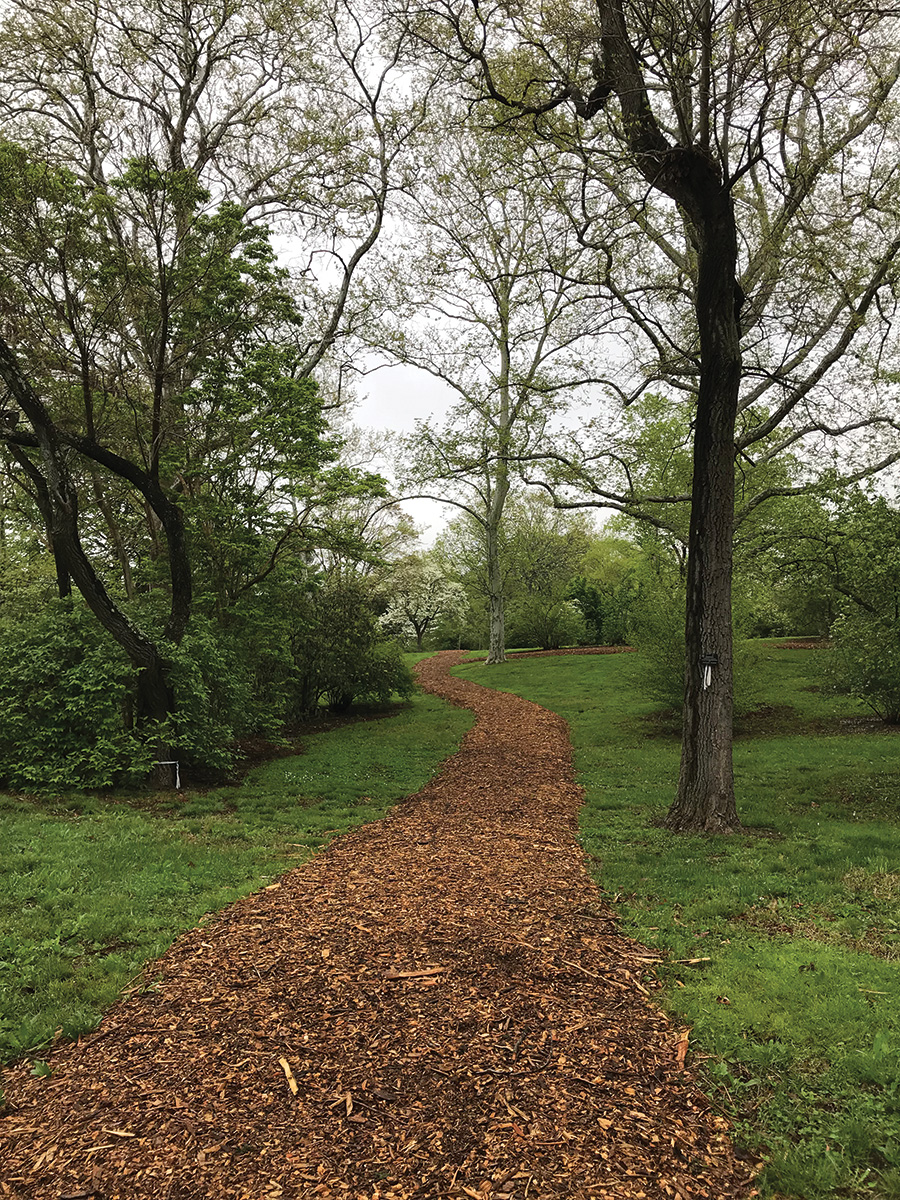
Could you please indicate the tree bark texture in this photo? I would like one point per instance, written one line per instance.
(496, 599)
(690, 175)
(705, 800)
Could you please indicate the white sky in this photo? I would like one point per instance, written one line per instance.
(395, 398)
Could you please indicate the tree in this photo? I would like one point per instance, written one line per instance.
(225, 282)
(784, 114)
(605, 589)
(848, 555)
(544, 552)
(490, 306)
(340, 650)
(152, 345)
(419, 595)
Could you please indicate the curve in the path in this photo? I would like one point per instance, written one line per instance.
(437, 1005)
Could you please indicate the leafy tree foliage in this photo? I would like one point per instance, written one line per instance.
(340, 651)
(62, 691)
(607, 589)
(164, 437)
(737, 141)
(542, 551)
(850, 557)
(419, 597)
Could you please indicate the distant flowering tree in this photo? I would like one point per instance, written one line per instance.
(421, 595)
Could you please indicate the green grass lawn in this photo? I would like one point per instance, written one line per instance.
(94, 886)
(796, 1016)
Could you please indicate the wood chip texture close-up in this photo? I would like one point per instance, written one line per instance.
(437, 1005)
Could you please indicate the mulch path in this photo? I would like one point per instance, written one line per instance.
(436, 1005)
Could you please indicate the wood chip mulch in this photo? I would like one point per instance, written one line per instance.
(437, 1005)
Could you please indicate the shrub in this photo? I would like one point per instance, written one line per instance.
(64, 695)
(867, 660)
(539, 621)
(340, 652)
(607, 609)
(214, 697)
(379, 674)
(658, 632)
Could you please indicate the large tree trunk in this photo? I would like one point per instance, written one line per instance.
(692, 177)
(705, 800)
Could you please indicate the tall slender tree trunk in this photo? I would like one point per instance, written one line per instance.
(496, 599)
(705, 799)
(498, 489)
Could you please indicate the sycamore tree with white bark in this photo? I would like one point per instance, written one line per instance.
(492, 295)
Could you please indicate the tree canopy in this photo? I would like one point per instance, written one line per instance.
(652, 254)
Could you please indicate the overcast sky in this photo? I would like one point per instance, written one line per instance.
(395, 398)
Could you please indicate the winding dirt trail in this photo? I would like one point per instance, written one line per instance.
(437, 1005)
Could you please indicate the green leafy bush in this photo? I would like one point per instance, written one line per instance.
(658, 632)
(867, 660)
(213, 697)
(537, 621)
(64, 692)
(866, 632)
(67, 691)
(339, 650)
(606, 608)
(381, 674)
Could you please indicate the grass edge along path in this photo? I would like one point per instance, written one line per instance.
(93, 886)
(435, 1005)
(795, 1022)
